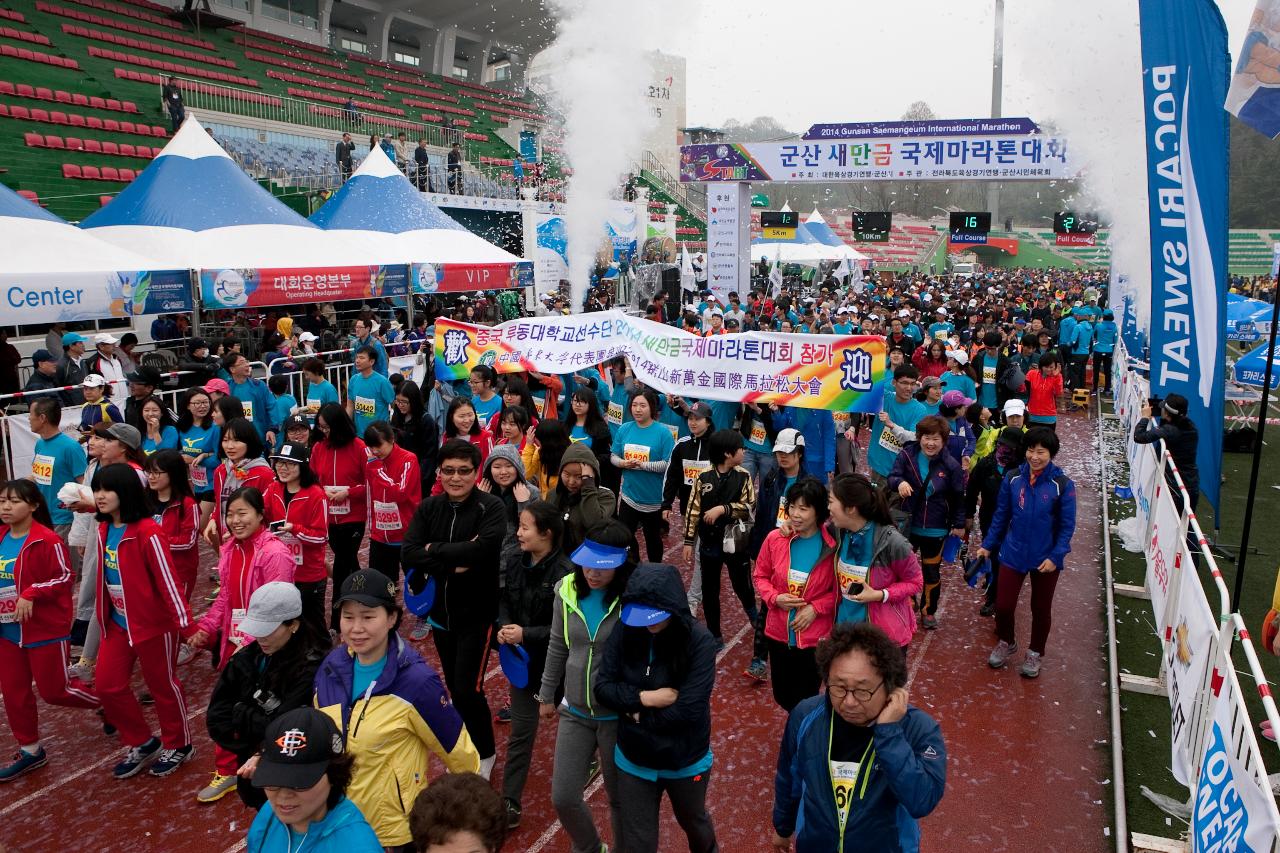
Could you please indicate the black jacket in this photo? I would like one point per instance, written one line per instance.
(71, 372)
(687, 449)
(528, 599)
(985, 480)
(422, 439)
(765, 416)
(1182, 444)
(767, 498)
(237, 721)
(198, 371)
(681, 656)
(342, 152)
(444, 537)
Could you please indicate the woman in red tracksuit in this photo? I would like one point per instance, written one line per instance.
(169, 487)
(296, 511)
(338, 460)
(35, 619)
(140, 611)
(395, 490)
(241, 466)
(251, 557)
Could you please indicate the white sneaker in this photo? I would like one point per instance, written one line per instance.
(82, 671)
(186, 654)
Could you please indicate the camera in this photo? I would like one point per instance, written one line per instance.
(1156, 403)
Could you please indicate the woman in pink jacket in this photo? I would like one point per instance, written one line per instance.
(795, 577)
(877, 573)
(251, 556)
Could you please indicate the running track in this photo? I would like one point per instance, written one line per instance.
(1028, 760)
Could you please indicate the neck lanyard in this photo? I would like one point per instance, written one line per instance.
(289, 840)
(864, 773)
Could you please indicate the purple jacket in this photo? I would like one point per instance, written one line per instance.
(940, 504)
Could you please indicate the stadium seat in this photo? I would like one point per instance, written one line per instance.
(93, 122)
(62, 97)
(91, 173)
(97, 103)
(111, 125)
(39, 115)
(157, 130)
(79, 100)
(127, 150)
(19, 112)
(6, 88)
(129, 106)
(110, 173)
(113, 104)
(54, 142)
(76, 120)
(127, 174)
(4, 110)
(71, 170)
(33, 140)
(56, 117)
(111, 148)
(103, 199)
(74, 143)
(142, 129)
(127, 127)
(93, 146)
(44, 94)
(25, 91)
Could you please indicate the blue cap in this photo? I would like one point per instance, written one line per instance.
(70, 338)
(515, 664)
(593, 555)
(643, 616)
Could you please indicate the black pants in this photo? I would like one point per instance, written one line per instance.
(650, 523)
(711, 559)
(455, 181)
(344, 541)
(1078, 364)
(640, 800)
(385, 558)
(930, 548)
(313, 602)
(464, 656)
(793, 673)
(1102, 371)
(176, 116)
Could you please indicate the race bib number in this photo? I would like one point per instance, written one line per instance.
(295, 547)
(844, 776)
(386, 516)
(237, 637)
(247, 405)
(988, 374)
(782, 512)
(42, 469)
(540, 403)
(313, 406)
(8, 604)
(635, 453)
(675, 432)
(758, 435)
(694, 467)
(115, 593)
(796, 581)
(614, 414)
(939, 334)
(199, 478)
(841, 419)
(339, 507)
(848, 574)
(364, 407)
(889, 441)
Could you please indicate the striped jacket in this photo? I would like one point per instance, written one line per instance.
(153, 600)
(42, 575)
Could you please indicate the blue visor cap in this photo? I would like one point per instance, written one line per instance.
(593, 555)
(643, 616)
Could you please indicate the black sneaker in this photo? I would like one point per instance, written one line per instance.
(514, 812)
(171, 759)
(136, 758)
(988, 609)
(24, 762)
(503, 715)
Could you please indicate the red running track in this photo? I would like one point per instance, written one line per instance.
(1028, 760)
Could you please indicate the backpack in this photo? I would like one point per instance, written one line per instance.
(1013, 378)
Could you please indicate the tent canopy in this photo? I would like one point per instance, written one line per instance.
(194, 208)
(379, 206)
(36, 241)
(1251, 367)
(819, 228)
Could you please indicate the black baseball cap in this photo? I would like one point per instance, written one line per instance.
(144, 376)
(296, 422)
(370, 588)
(297, 749)
(290, 452)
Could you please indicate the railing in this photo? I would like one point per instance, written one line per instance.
(202, 95)
(692, 200)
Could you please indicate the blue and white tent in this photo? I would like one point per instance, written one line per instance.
(37, 242)
(1252, 366)
(194, 208)
(379, 206)
(1247, 319)
(821, 231)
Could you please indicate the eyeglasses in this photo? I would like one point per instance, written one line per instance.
(837, 693)
(457, 472)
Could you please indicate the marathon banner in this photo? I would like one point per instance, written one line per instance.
(1190, 649)
(1186, 69)
(838, 373)
(50, 298)
(985, 158)
(467, 278)
(264, 288)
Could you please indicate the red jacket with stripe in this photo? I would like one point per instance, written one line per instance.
(342, 467)
(42, 575)
(153, 601)
(308, 514)
(180, 521)
(395, 490)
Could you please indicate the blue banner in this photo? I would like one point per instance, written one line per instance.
(1185, 71)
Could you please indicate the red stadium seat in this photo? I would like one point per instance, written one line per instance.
(127, 174)
(93, 122)
(39, 115)
(126, 127)
(33, 140)
(127, 150)
(74, 143)
(58, 117)
(76, 120)
(113, 104)
(103, 199)
(129, 106)
(110, 148)
(142, 129)
(54, 142)
(25, 91)
(111, 125)
(157, 130)
(143, 151)
(97, 103)
(62, 97)
(30, 196)
(71, 170)
(6, 88)
(91, 173)
(79, 100)
(4, 109)
(44, 94)
(110, 173)
(93, 146)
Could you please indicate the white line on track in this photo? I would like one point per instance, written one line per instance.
(550, 832)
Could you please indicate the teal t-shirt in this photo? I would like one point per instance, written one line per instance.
(9, 548)
(111, 571)
(884, 447)
(196, 441)
(578, 435)
(371, 397)
(593, 610)
(987, 369)
(652, 443)
(855, 551)
(318, 395)
(961, 382)
(56, 462)
(486, 409)
(168, 441)
(364, 674)
(805, 551)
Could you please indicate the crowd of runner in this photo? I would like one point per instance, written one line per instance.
(529, 514)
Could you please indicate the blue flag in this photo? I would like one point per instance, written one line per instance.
(1185, 71)
(1254, 97)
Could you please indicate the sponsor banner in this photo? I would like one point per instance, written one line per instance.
(1232, 807)
(248, 288)
(1254, 97)
(1077, 239)
(839, 373)
(1190, 648)
(986, 158)
(22, 441)
(729, 240)
(930, 127)
(1275, 260)
(1164, 538)
(1186, 68)
(464, 278)
(50, 298)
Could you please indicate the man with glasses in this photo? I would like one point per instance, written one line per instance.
(900, 409)
(454, 543)
(861, 763)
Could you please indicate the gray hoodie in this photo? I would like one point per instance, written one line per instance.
(508, 452)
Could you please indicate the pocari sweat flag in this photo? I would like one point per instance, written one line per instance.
(1185, 70)
(1254, 97)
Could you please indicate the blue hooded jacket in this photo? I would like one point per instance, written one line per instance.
(343, 830)
(908, 774)
(819, 430)
(1033, 521)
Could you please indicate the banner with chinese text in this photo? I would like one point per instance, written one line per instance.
(840, 373)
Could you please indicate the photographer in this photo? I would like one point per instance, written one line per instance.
(1180, 437)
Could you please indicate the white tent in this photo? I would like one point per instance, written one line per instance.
(37, 242)
(818, 227)
(194, 208)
